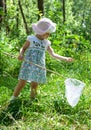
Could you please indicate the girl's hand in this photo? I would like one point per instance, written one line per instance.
(69, 59)
(20, 57)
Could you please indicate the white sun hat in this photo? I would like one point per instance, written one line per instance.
(43, 26)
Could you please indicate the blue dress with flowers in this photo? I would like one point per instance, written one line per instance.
(35, 54)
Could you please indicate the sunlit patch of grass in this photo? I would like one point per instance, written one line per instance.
(4, 94)
(8, 81)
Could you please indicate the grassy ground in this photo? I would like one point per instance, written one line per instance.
(49, 111)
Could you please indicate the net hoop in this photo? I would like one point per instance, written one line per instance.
(73, 90)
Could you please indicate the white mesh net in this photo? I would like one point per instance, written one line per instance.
(73, 90)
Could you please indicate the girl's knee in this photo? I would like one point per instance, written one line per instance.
(22, 82)
(34, 85)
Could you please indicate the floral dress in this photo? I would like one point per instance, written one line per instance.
(34, 54)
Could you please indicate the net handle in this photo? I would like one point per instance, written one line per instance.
(15, 57)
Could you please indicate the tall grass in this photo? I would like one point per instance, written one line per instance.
(50, 110)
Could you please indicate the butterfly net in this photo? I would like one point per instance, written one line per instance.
(73, 90)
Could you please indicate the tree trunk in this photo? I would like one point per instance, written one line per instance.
(4, 14)
(17, 18)
(17, 14)
(24, 20)
(41, 8)
(2, 10)
(64, 19)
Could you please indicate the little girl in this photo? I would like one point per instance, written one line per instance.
(35, 47)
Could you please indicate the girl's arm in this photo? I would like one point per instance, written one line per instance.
(23, 49)
(53, 54)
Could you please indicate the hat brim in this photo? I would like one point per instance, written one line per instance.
(37, 30)
(51, 29)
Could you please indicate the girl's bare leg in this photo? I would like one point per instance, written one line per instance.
(34, 86)
(19, 87)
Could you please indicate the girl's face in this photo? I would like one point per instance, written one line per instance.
(44, 36)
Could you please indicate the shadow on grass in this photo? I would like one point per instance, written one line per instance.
(11, 113)
(60, 105)
(16, 110)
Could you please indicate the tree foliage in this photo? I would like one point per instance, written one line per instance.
(72, 19)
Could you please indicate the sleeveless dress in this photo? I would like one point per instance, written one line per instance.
(35, 54)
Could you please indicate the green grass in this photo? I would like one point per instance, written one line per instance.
(50, 110)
